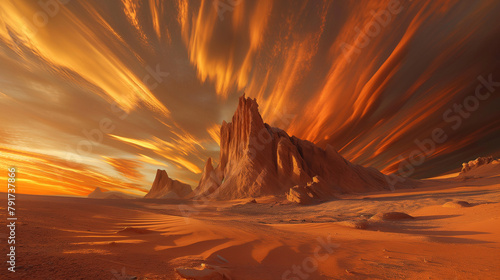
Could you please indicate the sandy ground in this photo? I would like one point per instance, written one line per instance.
(79, 238)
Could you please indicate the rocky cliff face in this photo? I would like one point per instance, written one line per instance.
(165, 187)
(211, 181)
(258, 160)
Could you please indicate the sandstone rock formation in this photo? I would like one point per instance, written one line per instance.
(165, 187)
(356, 224)
(315, 191)
(457, 204)
(300, 195)
(257, 159)
(209, 181)
(204, 272)
(391, 216)
(473, 164)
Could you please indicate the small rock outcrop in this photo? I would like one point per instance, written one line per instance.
(313, 192)
(457, 204)
(473, 164)
(204, 272)
(392, 216)
(356, 224)
(300, 195)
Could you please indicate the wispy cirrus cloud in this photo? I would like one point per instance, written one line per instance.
(311, 65)
(127, 167)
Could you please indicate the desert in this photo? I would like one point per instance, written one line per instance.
(354, 225)
(269, 239)
(249, 139)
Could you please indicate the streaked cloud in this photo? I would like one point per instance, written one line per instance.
(94, 62)
(127, 167)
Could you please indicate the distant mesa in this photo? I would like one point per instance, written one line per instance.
(258, 160)
(100, 194)
(164, 187)
(97, 193)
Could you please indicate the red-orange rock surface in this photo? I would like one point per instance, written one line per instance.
(257, 159)
(165, 187)
(474, 164)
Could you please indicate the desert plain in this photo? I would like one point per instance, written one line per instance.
(269, 238)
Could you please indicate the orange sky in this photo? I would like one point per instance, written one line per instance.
(103, 93)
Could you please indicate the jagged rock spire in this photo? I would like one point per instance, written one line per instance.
(164, 187)
(257, 159)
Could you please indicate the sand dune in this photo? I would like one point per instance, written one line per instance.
(270, 239)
